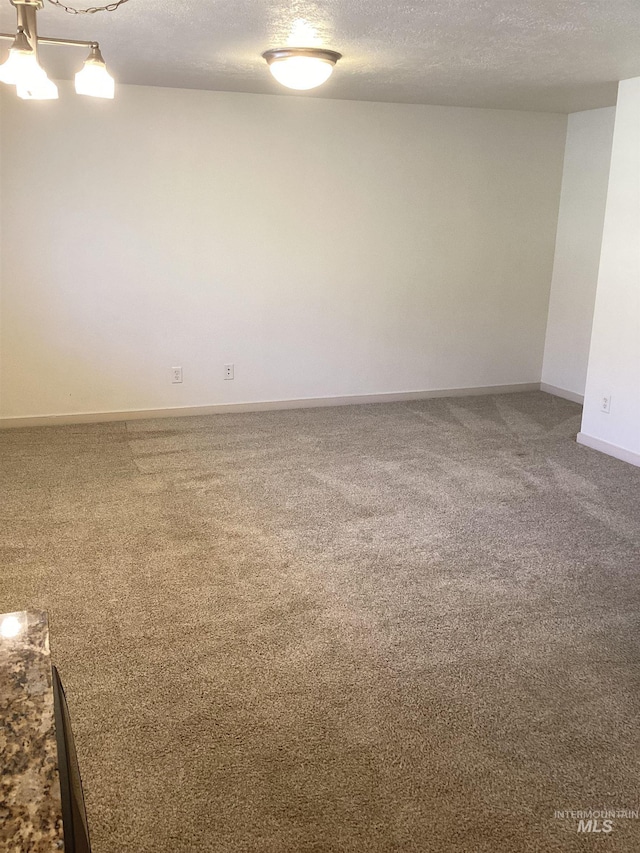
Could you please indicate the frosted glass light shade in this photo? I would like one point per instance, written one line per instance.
(94, 80)
(24, 72)
(40, 88)
(301, 72)
(301, 68)
(21, 68)
(44, 90)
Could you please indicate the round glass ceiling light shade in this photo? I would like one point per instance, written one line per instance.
(301, 68)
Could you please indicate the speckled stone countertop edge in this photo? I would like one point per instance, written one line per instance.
(30, 803)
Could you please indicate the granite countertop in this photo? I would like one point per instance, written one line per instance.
(30, 805)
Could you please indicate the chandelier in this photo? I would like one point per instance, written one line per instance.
(23, 70)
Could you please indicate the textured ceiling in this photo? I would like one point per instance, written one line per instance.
(557, 55)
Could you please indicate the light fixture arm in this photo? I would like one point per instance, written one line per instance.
(69, 42)
(93, 45)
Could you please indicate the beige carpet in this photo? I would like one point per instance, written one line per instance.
(402, 627)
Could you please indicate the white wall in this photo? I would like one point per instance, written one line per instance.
(575, 271)
(324, 247)
(614, 359)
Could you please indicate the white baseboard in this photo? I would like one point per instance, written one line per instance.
(262, 406)
(562, 392)
(608, 448)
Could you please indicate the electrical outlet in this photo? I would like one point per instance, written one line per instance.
(228, 371)
(605, 405)
(176, 375)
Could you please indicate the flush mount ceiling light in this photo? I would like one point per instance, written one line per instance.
(23, 70)
(301, 67)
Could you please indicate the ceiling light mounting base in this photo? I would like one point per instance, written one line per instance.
(278, 53)
(38, 4)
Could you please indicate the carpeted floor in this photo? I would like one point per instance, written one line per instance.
(399, 627)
